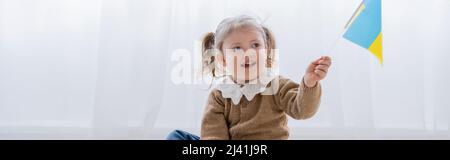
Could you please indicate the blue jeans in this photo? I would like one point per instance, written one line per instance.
(181, 135)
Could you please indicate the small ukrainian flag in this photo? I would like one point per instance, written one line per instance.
(364, 28)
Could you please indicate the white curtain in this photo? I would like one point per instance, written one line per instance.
(101, 69)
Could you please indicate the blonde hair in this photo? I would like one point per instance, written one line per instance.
(212, 42)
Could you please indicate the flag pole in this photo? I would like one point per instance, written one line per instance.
(354, 14)
(333, 46)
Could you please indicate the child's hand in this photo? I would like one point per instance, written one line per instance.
(317, 71)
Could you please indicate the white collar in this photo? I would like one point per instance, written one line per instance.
(235, 91)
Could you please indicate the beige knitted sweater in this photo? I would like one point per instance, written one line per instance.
(264, 117)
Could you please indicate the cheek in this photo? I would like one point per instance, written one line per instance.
(220, 59)
(262, 57)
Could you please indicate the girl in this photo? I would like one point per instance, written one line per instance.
(249, 101)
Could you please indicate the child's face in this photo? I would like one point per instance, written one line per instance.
(243, 55)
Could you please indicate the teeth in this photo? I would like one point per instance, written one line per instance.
(248, 64)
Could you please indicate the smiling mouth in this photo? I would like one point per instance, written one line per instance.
(248, 65)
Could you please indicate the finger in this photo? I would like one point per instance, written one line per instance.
(321, 70)
(320, 73)
(315, 62)
(312, 66)
(322, 67)
(325, 62)
(325, 58)
(328, 59)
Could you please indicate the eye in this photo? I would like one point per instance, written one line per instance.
(255, 45)
(236, 49)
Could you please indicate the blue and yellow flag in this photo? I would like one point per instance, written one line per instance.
(364, 28)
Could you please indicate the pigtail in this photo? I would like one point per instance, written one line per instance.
(208, 58)
(270, 43)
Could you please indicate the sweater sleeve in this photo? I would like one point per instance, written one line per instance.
(214, 125)
(298, 100)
